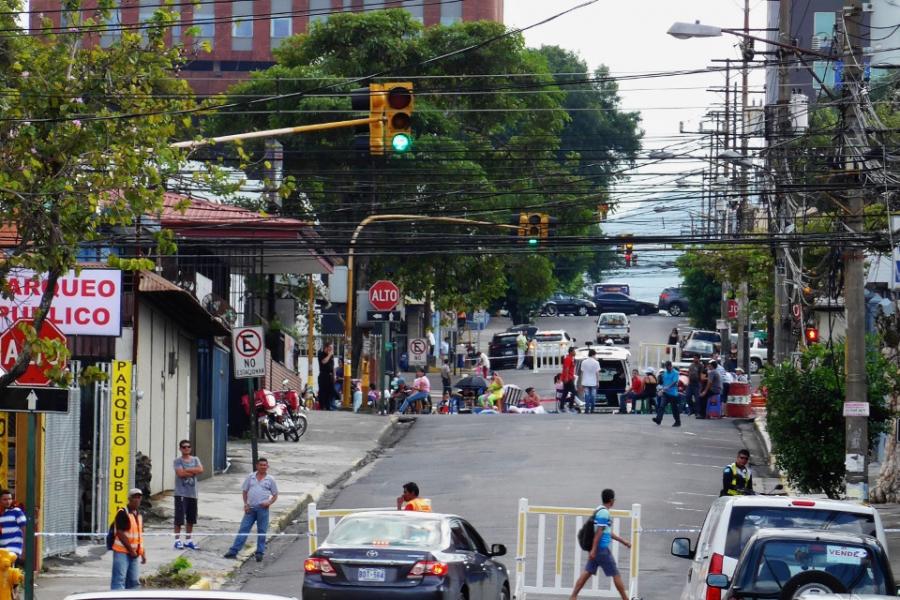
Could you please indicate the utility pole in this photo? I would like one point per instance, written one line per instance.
(743, 354)
(856, 388)
(781, 335)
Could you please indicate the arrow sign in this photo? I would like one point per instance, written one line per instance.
(34, 400)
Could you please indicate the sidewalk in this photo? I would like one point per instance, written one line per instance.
(337, 443)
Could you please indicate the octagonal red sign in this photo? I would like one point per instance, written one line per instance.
(12, 341)
(384, 295)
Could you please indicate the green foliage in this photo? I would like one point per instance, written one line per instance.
(531, 281)
(702, 289)
(477, 155)
(174, 575)
(805, 414)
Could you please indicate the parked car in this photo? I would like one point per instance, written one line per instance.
(613, 326)
(673, 301)
(788, 563)
(565, 304)
(602, 288)
(759, 354)
(174, 595)
(700, 348)
(405, 555)
(707, 336)
(503, 352)
(555, 335)
(529, 330)
(732, 521)
(615, 371)
(617, 302)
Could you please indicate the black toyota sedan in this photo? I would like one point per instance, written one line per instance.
(405, 555)
(616, 302)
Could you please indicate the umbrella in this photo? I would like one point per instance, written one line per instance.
(472, 381)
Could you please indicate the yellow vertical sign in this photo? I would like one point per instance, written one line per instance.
(119, 435)
(4, 450)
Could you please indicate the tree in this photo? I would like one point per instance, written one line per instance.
(805, 413)
(83, 148)
(702, 290)
(485, 148)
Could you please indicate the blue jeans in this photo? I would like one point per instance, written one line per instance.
(413, 398)
(661, 407)
(692, 397)
(260, 516)
(590, 398)
(125, 572)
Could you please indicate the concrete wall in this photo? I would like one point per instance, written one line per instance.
(169, 385)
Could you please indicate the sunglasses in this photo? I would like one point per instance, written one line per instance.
(185, 445)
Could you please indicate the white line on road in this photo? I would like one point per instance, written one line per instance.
(698, 494)
(676, 503)
(691, 509)
(696, 465)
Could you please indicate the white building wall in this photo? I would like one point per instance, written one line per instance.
(884, 19)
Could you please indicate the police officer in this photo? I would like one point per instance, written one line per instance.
(737, 480)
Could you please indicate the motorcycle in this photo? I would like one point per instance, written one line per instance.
(279, 413)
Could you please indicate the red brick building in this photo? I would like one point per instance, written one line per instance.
(243, 33)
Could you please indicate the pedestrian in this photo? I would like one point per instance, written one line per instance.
(326, 377)
(445, 349)
(713, 391)
(673, 337)
(128, 544)
(521, 349)
(650, 386)
(568, 380)
(409, 499)
(445, 377)
(740, 376)
(560, 391)
(601, 556)
(259, 492)
(692, 391)
(700, 406)
(421, 391)
(737, 479)
(635, 393)
(590, 379)
(12, 525)
(483, 366)
(669, 395)
(187, 467)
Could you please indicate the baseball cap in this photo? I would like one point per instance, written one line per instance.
(649, 370)
(135, 492)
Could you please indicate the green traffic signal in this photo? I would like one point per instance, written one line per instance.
(532, 242)
(401, 143)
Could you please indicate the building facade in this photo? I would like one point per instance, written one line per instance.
(241, 34)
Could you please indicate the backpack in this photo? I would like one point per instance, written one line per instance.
(586, 534)
(111, 532)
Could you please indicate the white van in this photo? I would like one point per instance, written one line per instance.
(615, 372)
(732, 520)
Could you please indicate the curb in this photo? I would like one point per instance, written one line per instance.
(203, 584)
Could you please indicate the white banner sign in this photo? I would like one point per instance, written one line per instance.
(89, 303)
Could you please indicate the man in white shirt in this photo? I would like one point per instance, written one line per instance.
(590, 377)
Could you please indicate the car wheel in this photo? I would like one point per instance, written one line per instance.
(504, 591)
(625, 339)
(675, 310)
(755, 365)
(551, 310)
(811, 582)
(582, 311)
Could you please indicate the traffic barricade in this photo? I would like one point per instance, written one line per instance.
(738, 403)
(538, 572)
(548, 357)
(656, 355)
(331, 517)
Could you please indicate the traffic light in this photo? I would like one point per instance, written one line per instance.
(812, 335)
(400, 103)
(629, 253)
(534, 227)
(373, 100)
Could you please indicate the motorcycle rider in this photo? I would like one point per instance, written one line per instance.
(737, 479)
(421, 390)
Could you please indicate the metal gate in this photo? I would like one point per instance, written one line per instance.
(59, 512)
(220, 376)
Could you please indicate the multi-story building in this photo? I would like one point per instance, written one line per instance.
(241, 34)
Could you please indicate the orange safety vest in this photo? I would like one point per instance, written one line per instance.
(418, 504)
(135, 535)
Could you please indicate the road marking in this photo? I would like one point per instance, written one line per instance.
(675, 503)
(698, 494)
(691, 509)
(691, 454)
(696, 465)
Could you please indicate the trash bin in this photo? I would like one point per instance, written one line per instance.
(404, 362)
(738, 405)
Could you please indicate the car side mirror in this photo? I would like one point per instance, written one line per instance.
(681, 547)
(498, 550)
(717, 580)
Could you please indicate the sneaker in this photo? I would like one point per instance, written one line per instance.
(190, 545)
(178, 545)
(259, 557)
(676, 424)
(656, 421)
(230, 554)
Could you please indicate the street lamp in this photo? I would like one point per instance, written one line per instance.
(685, 31)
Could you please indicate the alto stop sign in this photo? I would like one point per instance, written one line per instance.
(11, 343)
(384, 295)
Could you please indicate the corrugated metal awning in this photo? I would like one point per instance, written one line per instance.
(181, 305)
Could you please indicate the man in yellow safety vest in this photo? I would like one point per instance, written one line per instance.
(128, 546)
(409, 499)
(737, 479)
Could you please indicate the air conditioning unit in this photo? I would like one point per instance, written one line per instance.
(219, 307)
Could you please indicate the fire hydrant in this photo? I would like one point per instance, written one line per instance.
(10, 576)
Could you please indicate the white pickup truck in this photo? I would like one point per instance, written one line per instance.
(759, 353)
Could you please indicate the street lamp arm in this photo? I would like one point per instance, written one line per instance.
(684, 31)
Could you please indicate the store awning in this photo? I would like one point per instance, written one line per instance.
(181, 306)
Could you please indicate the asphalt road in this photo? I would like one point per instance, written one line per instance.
(479, 467)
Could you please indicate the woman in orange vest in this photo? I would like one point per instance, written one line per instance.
(128, 545)
(409, 499)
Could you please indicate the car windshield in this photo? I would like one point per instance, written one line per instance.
(747, 520)
(700, 346)
(853, 565)
(505, 339)
(612, 320)
(385, 530)
(709, 336)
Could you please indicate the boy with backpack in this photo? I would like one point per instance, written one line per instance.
(600, 555)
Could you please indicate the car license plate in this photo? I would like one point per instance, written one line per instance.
(507, 353)
(606, 376)
(370, 575)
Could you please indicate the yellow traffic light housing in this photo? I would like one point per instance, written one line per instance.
(398, 123)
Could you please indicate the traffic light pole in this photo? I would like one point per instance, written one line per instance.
(266, 133)
(348, 321)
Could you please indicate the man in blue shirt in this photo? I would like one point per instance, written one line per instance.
(12, 523)
(668, 384)
(600, 554)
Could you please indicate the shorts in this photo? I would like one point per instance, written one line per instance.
(605, 561)
(185, 509)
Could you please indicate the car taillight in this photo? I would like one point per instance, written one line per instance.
(319, 566)
(803, 503)
(716, 562)
(427, 567)
(663, 296)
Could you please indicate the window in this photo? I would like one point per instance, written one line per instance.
(416, 8)
(242, 25)
(318, 10)
(373, 4)
(145, 15)
(823, 30)
(451, 12)
(281, 22)
(824, 73)
(111, 32)
(204, 20)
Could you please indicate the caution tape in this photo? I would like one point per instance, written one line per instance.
(683, 530)
(195, 534)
